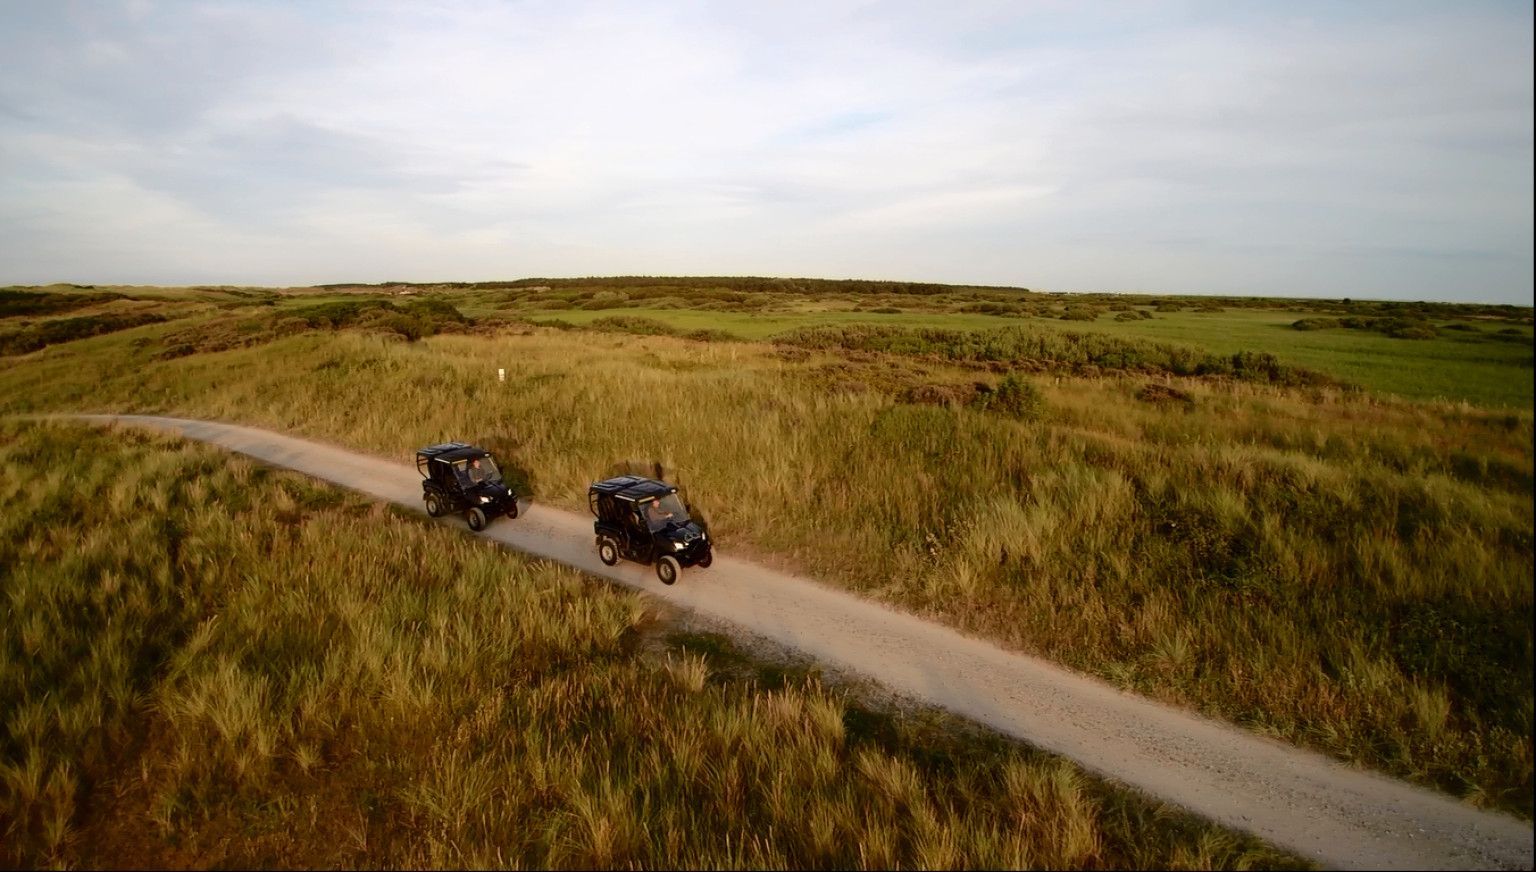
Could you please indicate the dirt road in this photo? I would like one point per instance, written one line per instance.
(1299, 800)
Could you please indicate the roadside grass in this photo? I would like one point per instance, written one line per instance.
(205, 663)
(1343, 571)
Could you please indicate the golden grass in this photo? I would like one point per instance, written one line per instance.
(1315, 565)
(203, 663)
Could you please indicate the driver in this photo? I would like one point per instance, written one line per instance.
(656, 513)
(476, 473)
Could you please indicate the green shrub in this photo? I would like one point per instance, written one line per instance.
(633, 324)
(334, 315)
(1015, 397)
(607, 300)
(413, 320)
(1315, 323)
(556, 323)
(14, 303)
(62, 330)
(1025, 347)
(708, 334)
(1413, 331)
(949, 395)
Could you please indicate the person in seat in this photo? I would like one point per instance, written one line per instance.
(657, 515)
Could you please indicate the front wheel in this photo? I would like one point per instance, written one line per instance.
(706, 560)
(434, 506)
(668, 569)
(476, 519)
(512, 510)
(607, 552)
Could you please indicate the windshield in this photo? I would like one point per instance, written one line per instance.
(666, 510)
(473, 472)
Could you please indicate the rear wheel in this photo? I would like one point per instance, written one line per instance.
(476, 519)
(434, 506)
(607, 551)
(668, 569)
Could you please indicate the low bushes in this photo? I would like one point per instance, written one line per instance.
(1397, 327)
(15, 303)
(1032, 349)
(413, 320)
(1014, 397)
(641, 326)
(45, 333)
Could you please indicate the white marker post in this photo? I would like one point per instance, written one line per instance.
(501, 375)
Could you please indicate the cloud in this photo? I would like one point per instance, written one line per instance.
(1371, 150)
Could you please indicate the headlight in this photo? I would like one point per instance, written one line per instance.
(678, 546)
(485, 499)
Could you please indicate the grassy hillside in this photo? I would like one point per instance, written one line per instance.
(1334, 566)
(206, 664)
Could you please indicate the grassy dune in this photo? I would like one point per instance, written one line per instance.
(1334, 568)
(203, 663)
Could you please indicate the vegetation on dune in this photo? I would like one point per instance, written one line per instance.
(1398, 328)
(1324, 566)
(413, 320)
(207, 664)
(1470, 362)
(59, 330)
(736, 288)
(18, 303)
(652, 327)
(1041, 350)
(410, 321)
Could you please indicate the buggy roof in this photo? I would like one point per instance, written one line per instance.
(632, 487)
(449, 452)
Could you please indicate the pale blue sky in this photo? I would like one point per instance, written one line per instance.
(1304, 149)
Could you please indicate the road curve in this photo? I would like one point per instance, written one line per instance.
(1299, 800)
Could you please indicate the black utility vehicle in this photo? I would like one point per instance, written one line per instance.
(457, 477)
(642, 519)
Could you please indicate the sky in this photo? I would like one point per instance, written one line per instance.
(1363, 149)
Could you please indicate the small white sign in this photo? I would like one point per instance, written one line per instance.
(501, 375)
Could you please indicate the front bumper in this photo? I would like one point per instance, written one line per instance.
(693, 554)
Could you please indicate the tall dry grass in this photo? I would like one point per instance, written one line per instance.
(203, 663)
(1341, 571)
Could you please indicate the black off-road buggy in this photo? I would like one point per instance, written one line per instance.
(458, 477)
(642, 519)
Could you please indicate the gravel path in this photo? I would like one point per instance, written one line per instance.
(1299, 800)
